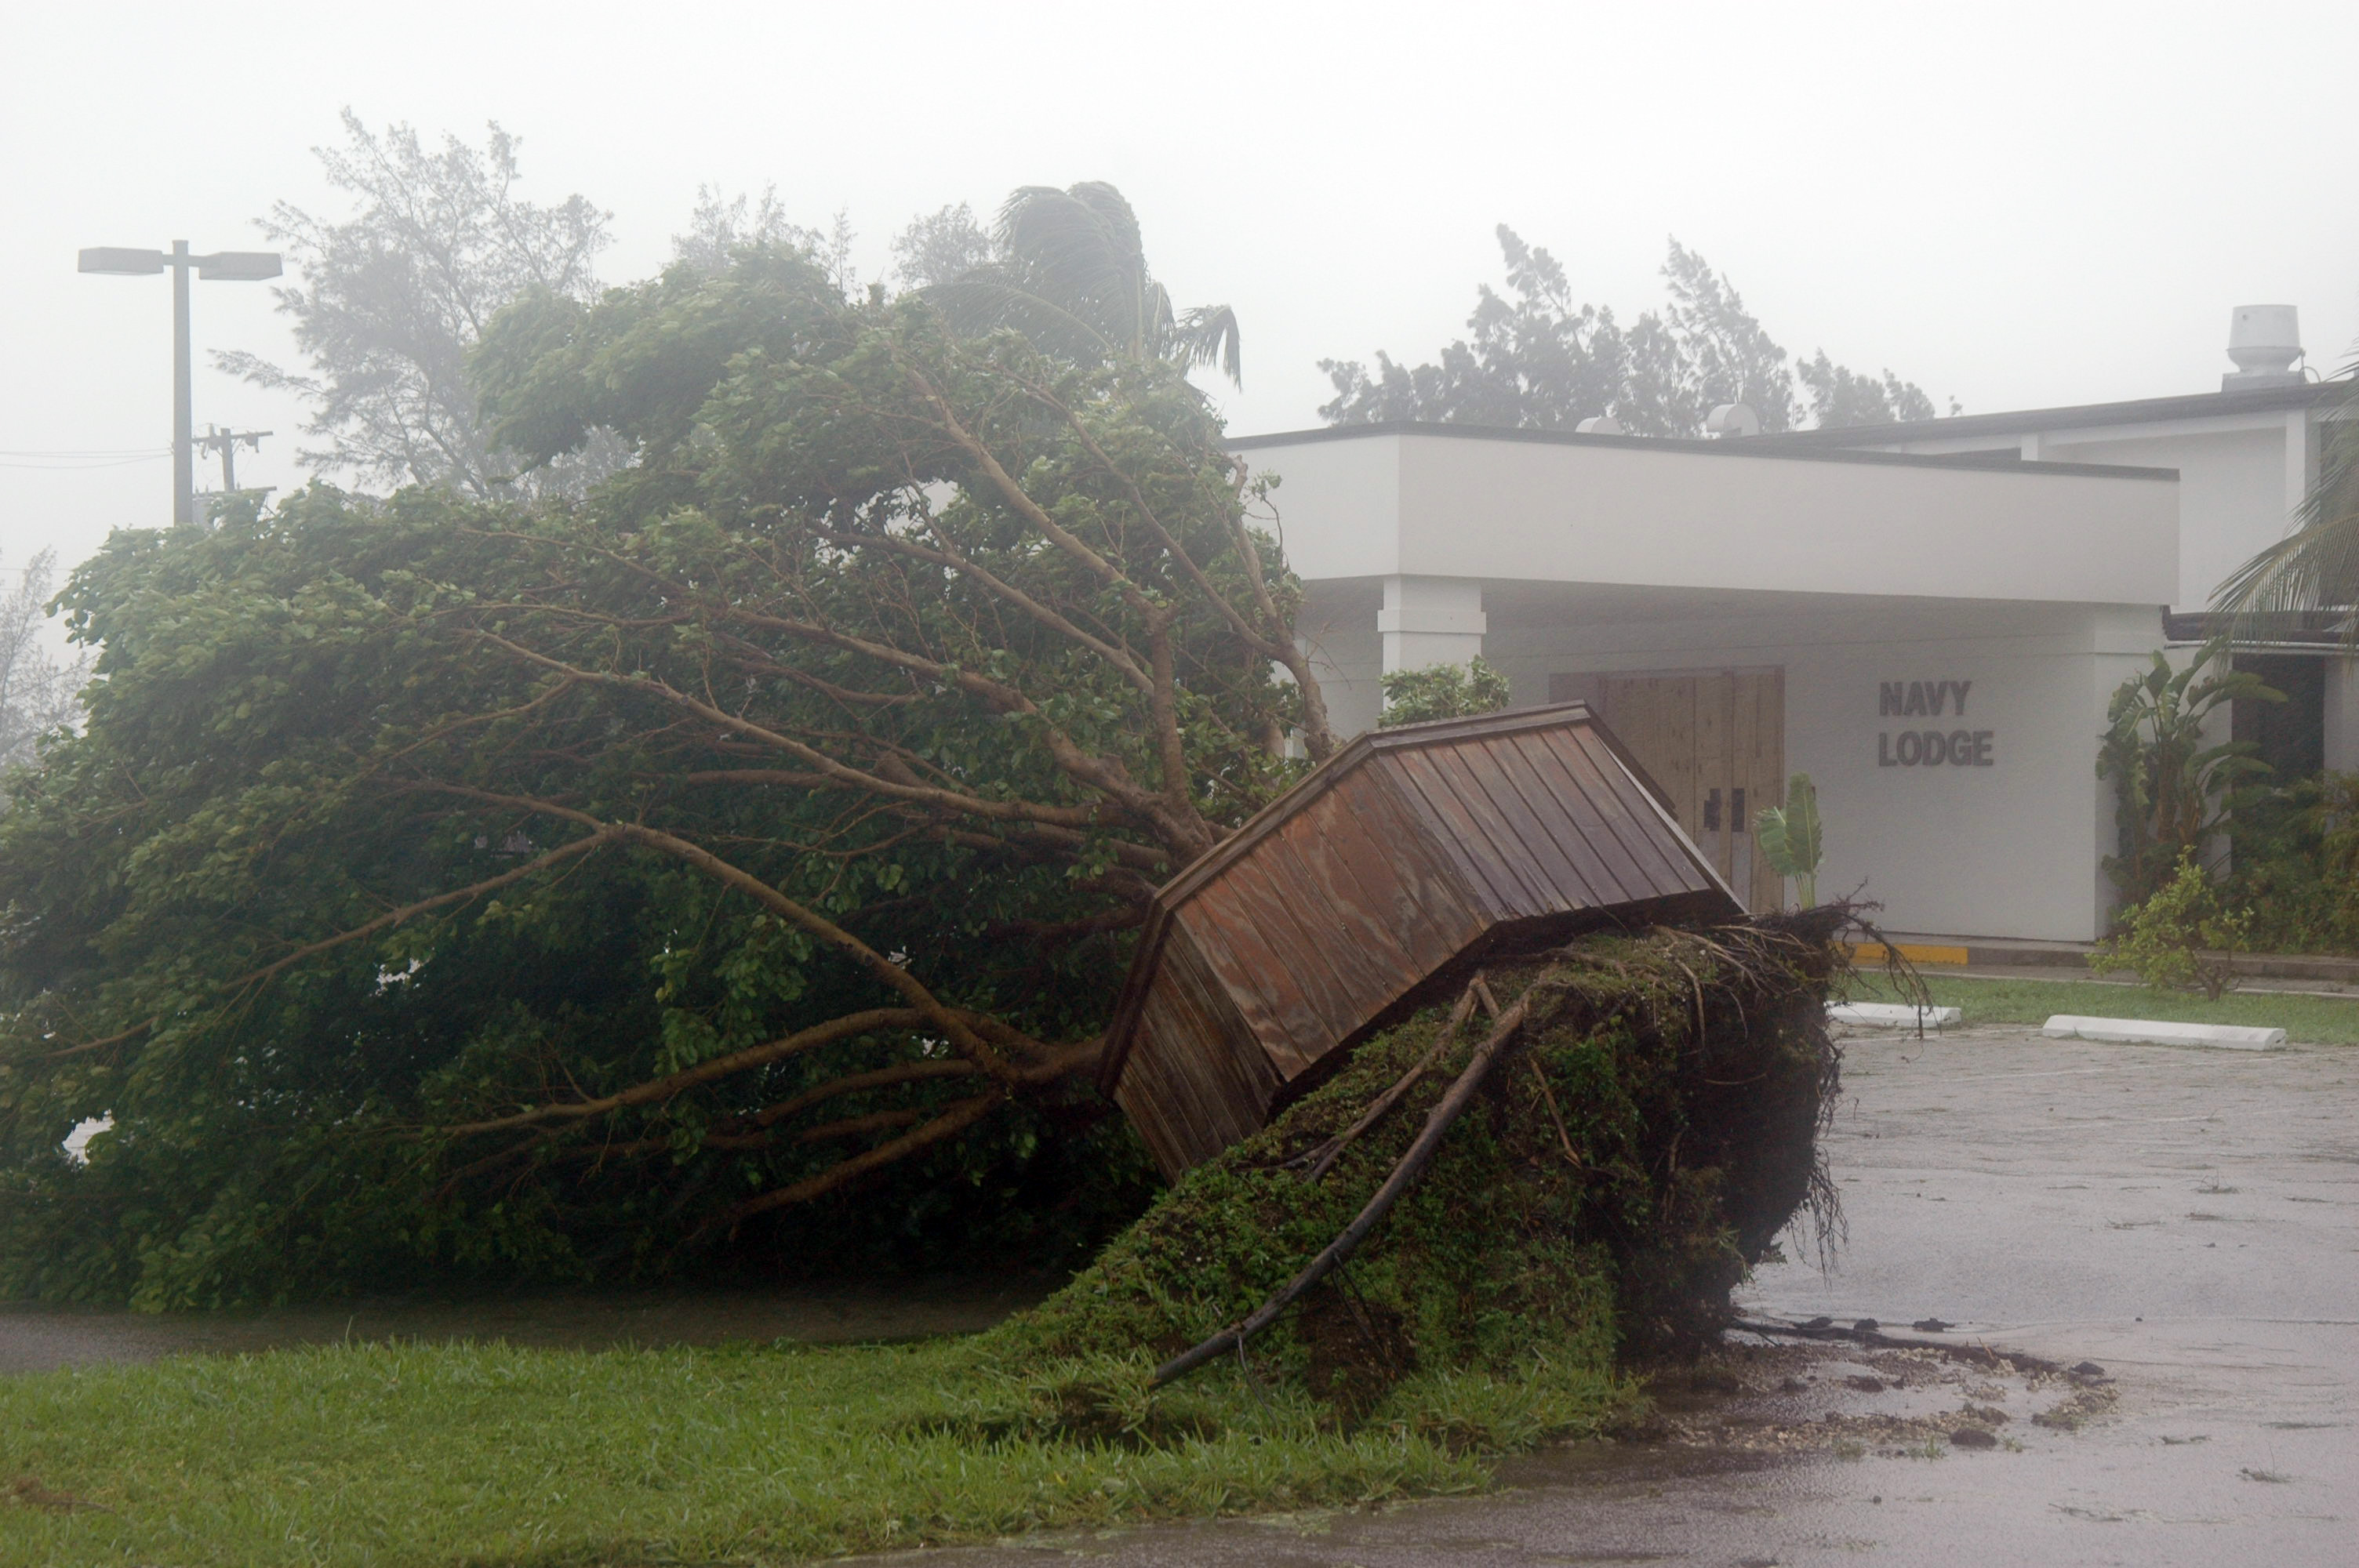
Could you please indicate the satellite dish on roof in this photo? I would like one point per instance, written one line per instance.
(1598, 425)
(1733, 419)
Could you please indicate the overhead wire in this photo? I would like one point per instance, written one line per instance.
(69, 461)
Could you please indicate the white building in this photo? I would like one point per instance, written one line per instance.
(1926, 619)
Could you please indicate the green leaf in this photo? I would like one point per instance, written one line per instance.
(1790, 837)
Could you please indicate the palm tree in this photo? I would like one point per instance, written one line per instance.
(1071, 274)
(2315, 568)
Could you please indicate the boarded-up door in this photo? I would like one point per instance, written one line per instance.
(1715, 741)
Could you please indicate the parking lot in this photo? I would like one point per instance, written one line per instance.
(2185, 1221)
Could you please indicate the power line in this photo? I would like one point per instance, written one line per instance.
(84, 452)
(69, 462)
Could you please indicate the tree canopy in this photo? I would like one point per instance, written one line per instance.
(1537, 358)
(393, 296)
(37, 688)
(445, 884)
(1068, 268)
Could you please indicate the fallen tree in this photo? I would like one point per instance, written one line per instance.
(1580, 1178)
(555, 890)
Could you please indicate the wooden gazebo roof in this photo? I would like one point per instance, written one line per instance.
(1408, 855)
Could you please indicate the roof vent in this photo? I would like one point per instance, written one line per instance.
(1733, 419)
(2264, 341)
(1599, 425)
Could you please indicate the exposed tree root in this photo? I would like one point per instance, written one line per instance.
(1412, 1165)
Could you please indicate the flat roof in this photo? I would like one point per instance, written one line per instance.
(2138, 411)
(1463, 502)
(1741, 446)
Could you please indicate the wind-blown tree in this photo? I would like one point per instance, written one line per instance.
(36, 688)
(1070, 272)
(1537, 358)
(1841, 397)
(941, 246)
(455, 885)
(391, 296)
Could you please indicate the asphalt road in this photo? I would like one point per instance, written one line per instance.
(2188, 1220)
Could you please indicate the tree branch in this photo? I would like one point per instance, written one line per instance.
(960, 1116)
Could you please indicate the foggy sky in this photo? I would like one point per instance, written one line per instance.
(2019, 206)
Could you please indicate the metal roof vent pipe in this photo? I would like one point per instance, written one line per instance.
(1732, 419)
(2264, 341)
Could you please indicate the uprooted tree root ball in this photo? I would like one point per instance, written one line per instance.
(1649, 1133)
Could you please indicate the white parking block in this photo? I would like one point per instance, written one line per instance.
(2150, 1032)
(1891, 1015)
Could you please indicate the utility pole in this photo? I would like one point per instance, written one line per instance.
(239, 266)
(225, 442)
(184, 402)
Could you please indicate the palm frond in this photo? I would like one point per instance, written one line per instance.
(2315, 568)
(1082, 250)
(1073, 278)
(1208, 335)
(985, 300)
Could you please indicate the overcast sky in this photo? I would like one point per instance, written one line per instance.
(2018, 205)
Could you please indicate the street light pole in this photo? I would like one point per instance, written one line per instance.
(239, 266)
(184, 413)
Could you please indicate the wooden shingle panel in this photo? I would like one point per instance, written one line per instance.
(1408, 851)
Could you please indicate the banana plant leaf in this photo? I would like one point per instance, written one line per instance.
(1789, 836)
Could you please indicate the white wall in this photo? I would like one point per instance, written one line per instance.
(2241, 478)
(2007, 850)
(1635, 513)
(2231, 502)
(1338, 626)
(2040, 587)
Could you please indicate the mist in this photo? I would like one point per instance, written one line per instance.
(2011, 205)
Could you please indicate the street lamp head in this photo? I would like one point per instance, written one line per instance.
(239, 267)
(124, 263)
(230, 266)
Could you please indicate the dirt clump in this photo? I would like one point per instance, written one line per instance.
(1654, 1130)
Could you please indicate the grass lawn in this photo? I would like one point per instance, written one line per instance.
(2311, 1020)
(408, 1454)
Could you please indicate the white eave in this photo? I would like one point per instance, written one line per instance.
(1440, 500)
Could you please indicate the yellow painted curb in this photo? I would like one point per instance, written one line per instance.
(1914, 951)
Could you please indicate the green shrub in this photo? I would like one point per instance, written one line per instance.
(2296, 864)
(1443, 691)
(2171, 788)
(2179, 938)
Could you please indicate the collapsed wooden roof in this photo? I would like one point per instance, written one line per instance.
(1406, 857)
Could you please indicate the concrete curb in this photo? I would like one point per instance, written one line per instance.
(1892, 1015)
(2151, 1031)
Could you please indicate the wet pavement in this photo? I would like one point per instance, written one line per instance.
(39, 1339)
(2182, 1222)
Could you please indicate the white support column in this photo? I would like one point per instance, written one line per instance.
(1430, 620)
(2342, 715)
(2300, 463)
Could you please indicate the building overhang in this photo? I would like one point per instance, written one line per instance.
(2193, 414)
(1535, 506)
